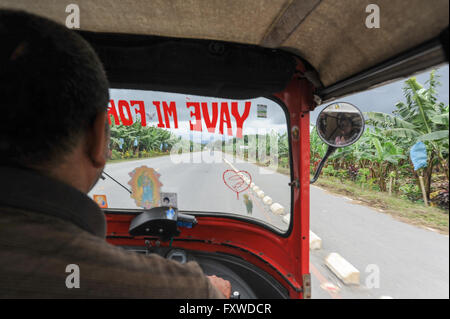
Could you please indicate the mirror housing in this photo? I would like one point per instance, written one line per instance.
(340, 124)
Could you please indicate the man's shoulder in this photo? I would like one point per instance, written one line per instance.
(42, 247)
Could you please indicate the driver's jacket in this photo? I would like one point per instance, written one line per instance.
(51, 232)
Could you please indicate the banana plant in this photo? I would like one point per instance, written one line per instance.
(421, 118)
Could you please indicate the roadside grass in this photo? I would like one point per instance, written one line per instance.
(284, 170)
(119, 160)
(401, 209)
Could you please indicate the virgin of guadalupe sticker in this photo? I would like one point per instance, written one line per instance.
(145, 187)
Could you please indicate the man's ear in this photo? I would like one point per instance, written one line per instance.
(98, 141)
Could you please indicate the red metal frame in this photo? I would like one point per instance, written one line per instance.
(286, 258)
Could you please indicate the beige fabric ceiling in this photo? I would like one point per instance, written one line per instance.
(330, 34)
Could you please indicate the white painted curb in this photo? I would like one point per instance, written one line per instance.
(255, 189)
(315, 242)
(277, 209)
(267, 200)
(260, 194)
(342, 269)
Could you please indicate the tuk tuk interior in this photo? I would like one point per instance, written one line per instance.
(299, 53)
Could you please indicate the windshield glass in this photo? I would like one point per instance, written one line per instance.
(200, 154)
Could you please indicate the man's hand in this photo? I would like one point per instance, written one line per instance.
(222, 285)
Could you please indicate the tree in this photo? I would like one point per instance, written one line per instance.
(421, 118)
(148, 138)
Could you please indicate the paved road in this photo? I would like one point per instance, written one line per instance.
(412, 262)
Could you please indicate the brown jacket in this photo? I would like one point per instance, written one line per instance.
(46, 225)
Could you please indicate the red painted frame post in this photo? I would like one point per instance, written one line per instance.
(299, 99)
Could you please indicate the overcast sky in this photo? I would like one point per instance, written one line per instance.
(384, 98)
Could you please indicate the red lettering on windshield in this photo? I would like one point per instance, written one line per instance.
(140, 110)
(170, 111)
(240, 119)
(126, 120)
(158, 111)
(210, 123)
(112, 111)
(225, 118)
(167, 112)
(197, 115)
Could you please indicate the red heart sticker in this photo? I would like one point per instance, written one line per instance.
(236, 181)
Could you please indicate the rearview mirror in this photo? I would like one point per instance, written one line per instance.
(340, 124)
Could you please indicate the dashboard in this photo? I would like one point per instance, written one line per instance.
(247, 281)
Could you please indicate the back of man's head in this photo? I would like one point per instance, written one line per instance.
(52, 86)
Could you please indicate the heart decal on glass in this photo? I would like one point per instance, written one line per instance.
(237, 181)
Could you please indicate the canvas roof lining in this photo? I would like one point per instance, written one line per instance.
(288, 22)
(340, 52)
(329, 34)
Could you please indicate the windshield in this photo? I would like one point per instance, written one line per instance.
(199, 154)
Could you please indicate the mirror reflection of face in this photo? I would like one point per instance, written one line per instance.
(345, 126)
(340, 124)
